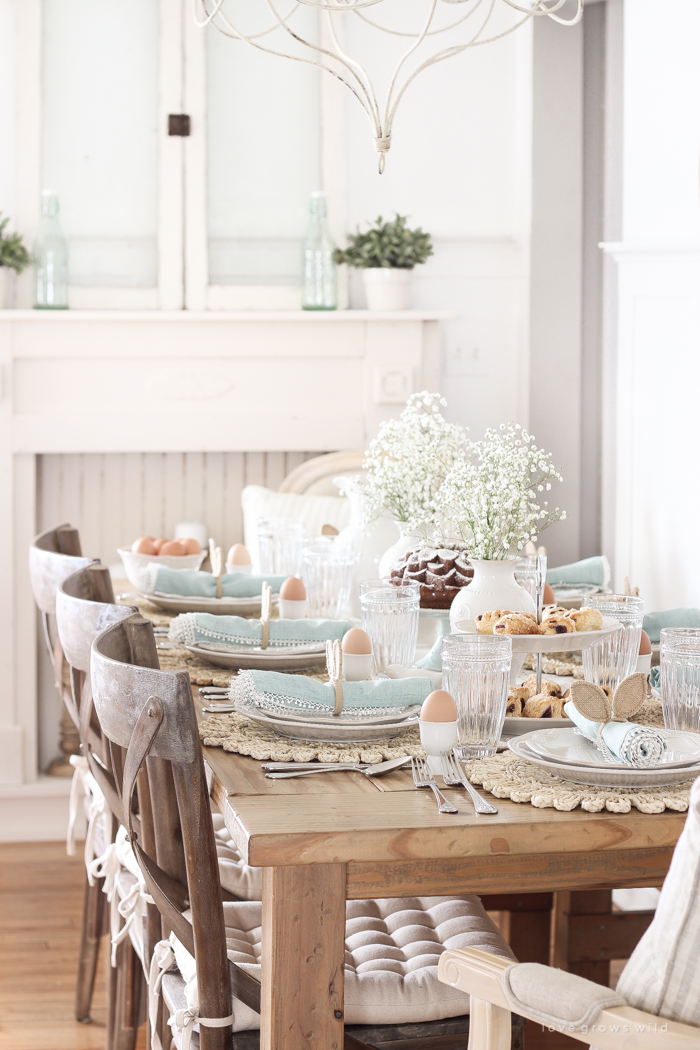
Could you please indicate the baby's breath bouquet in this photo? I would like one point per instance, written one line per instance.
(408, 461)
(490, 499)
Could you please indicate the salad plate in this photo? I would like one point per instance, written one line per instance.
(178, 603)
(255, 659)
(573, 748)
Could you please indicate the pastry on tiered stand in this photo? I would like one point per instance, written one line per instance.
(441, 573)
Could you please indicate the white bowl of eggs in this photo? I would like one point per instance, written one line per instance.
(173, 554)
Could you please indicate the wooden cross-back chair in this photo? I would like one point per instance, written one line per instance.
(53, 556)
(150, 715)
(84, 606)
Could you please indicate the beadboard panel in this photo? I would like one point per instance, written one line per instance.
(115, 497)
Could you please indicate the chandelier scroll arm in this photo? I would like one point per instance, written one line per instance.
(404, 58)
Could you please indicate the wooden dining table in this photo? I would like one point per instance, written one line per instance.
(330, 837)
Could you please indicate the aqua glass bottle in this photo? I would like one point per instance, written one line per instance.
(319, 268)
(50, 258)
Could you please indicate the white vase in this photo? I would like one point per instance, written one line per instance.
(370, 542)
(406, 541)
(4, 286)
(387, 288)
(493, 587)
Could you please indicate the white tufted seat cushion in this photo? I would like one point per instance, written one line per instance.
(236, 876)
(392, 947)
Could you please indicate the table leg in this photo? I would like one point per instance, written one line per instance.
(303, 954)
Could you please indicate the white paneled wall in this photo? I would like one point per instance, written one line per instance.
(115, 497)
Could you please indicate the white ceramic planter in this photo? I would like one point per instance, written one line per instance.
(387, 288)
(494, 587)
(4, 286)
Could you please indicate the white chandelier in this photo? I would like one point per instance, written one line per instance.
(474, 19)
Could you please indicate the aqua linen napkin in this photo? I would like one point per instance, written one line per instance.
(655, 622)
(630, 743)
(191, 583)
(234, 632)
(595, 571)
(297, 694)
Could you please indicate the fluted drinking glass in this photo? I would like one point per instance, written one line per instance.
(390, 618)
(281, 545)
(328, 569)
(680, 678)
(476, 671)
(611, 660)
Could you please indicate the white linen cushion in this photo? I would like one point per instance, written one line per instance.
(555, 997)
(236, 876)
(317, 511)
(392, 947)
(663, 973)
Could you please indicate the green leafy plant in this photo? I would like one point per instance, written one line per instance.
(387, 244)
(13, 254)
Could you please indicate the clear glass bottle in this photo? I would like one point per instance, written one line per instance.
(50, 258)
(319, 268)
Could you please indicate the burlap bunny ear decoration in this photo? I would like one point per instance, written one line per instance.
(591, 701)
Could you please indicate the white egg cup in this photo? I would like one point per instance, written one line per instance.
(231, 567)
(357, 667)
(289, 610)
(438, 739)
(644, 663)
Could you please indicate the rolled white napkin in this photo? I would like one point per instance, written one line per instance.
(628, 742)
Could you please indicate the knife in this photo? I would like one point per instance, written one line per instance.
(376, 769)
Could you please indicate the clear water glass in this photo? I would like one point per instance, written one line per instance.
(327, 573)
(611, 660)
(390, 618)
(680, 678)
(281, 545)
(476, 671)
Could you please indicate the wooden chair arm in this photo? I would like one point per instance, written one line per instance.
(478, 973)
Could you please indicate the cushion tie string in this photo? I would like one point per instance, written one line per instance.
(162, 960)
(97, 808)
(184, 1021)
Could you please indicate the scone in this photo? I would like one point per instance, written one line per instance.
(557, 625)
(485, 621)
(514, 705)
(587, 619)
(541, 706)
(546, 687)
(516, 623)
(552, 611)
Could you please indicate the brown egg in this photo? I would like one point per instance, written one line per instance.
(159, 543)
(644, 644)
(172, 547)
(293, 590)
(238, 555)
(191, 546)
(548, 598)
(144, 545)
(438, 706)
(356, 642)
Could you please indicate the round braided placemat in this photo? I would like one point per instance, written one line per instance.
(506, 776)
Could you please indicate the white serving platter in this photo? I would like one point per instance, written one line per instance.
(623, 777)
(178, 603)
(261, 659)
(551, 643)
(337, 733)
(571, 748)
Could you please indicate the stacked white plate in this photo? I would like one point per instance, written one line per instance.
(274, 658)
(345, 729)
(179, 603)
(571, 756)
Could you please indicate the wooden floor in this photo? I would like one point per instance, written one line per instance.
(40, 906)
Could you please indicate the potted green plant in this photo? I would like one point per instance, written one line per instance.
(13, 256)
(386, 254)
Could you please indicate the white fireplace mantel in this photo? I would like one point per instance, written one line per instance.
(84, 381)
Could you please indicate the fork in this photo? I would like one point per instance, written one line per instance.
(423, 778)
(453, 776)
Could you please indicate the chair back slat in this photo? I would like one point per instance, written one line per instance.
(85, 606)
(151, 714)
(53, 556)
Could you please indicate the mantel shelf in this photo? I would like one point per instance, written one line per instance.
(232, 316)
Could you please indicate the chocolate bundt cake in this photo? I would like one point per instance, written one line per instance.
(440, 572)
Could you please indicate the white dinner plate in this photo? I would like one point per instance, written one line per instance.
(178, 603)
(337, 733)
(346, 717)
(570, 747)
(622, 777)
(550, 643)
(520, 725)
(260, 659)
